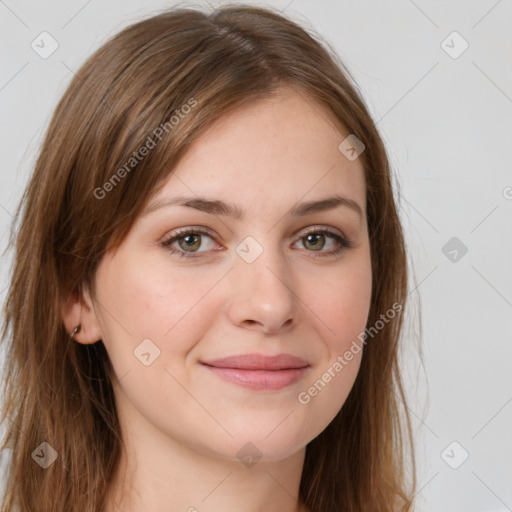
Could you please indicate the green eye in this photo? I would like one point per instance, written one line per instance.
(189, 241)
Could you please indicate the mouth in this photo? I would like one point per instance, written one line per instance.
(258, 372)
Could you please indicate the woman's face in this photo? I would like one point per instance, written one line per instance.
(272, 281)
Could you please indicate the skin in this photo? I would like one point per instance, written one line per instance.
(182, 424)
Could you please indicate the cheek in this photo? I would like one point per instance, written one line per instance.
(140, 300)
(342, 309)
(343, 305)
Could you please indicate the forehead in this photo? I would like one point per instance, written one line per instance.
(276, 151)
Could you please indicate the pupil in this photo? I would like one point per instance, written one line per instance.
(190, 241)
(313, 239)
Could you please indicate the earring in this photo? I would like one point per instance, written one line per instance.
(75, 331)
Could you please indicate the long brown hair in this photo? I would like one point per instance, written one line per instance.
(62, 392)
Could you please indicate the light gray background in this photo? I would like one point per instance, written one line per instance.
(447, 124)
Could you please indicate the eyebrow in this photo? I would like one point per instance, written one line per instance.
(218, 207)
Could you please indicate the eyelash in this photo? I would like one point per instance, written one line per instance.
(343, 243)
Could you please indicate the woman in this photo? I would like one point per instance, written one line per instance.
(209, 280)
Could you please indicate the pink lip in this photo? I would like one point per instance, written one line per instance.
(259, 372)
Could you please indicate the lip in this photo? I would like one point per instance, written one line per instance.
(259, 362)
(259, 372)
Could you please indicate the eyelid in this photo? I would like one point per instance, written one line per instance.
(319, 227)
(187, 229)
(299, 233)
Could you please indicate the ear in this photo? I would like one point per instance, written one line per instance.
(78, 310)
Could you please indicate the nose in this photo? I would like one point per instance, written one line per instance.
(261, 293)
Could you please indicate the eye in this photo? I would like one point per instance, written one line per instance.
(316, 239)
(189, 241)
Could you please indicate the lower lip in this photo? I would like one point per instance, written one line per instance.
(260, 380)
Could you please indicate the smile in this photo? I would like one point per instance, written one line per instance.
(259, 373)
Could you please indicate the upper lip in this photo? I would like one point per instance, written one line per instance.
(259, 362)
